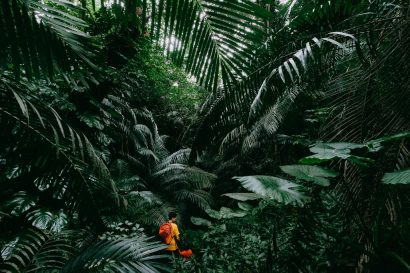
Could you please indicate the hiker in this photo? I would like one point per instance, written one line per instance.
(170, 233)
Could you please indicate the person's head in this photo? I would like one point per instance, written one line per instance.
(172, 216)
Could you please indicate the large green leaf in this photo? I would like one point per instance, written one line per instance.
(281, 190)
(213, 213)
(20, 203)
(244, 196)
(245, 206)
(376, 144)
(314, 174)
(225, 213)
(45, 219)
(400, 177)
(327, 151)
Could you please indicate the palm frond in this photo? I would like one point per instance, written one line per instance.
(200, 198)
(159, 172)
(38, 250)
(344, 92)
(70, 151)
(41, 39)
(121, 255)
(188, 175)
(266, 88)
(212, 39)
(180, 157)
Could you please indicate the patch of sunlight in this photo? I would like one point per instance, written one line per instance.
(192, 79)
(173, 43)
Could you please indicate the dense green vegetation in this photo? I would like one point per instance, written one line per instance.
(278, 130)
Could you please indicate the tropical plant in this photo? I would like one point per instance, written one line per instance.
(230, 245)
(77, 174)
(43, 251)
(300, 152)
(119, 255)
(158, 175)
(216, 42)
(39, 251)
(211, 39)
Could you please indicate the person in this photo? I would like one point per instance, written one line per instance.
(173, 244)
(170, 235)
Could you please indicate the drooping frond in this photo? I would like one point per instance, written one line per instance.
(213, 40)
(37, 250)
(200, 198)
(371, 100)
(76, 164)
(263, 99)
(180, 156)
(42, 38)
(357, 117)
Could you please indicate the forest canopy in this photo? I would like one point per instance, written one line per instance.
(277, 131)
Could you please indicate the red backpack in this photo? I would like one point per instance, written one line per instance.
(165, 233)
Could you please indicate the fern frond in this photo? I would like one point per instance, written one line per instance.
(121, 255)
(198, 197)
(38, 250)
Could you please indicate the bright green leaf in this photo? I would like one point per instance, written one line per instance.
(243, 196)
(281, 190)
(314, 174)
(400, 177)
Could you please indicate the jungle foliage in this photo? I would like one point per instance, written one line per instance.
(278, 130)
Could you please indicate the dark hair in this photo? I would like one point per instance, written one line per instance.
(171, 215)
